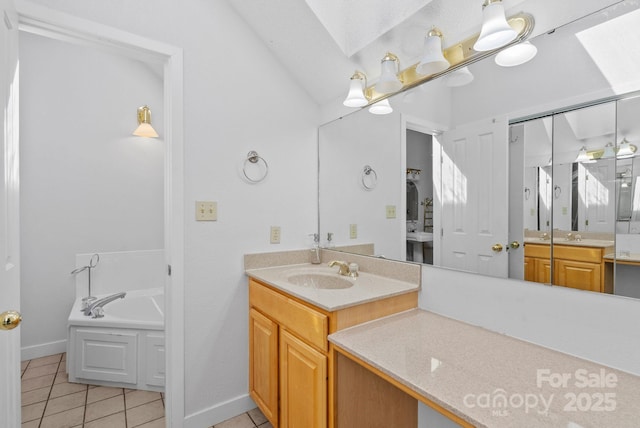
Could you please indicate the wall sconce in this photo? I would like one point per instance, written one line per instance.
(381, 107)
(433, 60)
(356, 97)
(516, 55)
(389, 81)
(144, 128)
(496, 31)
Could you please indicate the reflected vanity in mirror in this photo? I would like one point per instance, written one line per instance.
(531, 170)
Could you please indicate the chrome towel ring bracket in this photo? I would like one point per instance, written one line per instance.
(369, 178)
(253, 158)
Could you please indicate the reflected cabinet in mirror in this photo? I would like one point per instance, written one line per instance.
(527, 172)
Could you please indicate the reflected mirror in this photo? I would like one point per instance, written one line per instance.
(501, 189)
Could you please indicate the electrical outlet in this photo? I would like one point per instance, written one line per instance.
(353, 231)
(275, 234)
(391, 211)
(206, 211)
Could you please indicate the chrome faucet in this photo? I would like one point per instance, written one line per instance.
(570, 237)
(94, 310)
(95, 259)
(545, 236)
(344, 267)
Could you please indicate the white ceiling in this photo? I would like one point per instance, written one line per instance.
(321, 42)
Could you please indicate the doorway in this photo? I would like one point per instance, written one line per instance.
(39, 20)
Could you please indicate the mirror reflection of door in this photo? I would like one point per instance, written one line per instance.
(475, 198)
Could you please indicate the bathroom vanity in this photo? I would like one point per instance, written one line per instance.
(577, 264)
(291, 314)
(472, 376)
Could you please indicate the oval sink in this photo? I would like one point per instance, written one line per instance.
(320, 281)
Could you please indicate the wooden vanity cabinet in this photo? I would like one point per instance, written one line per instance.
(289, 360)
(574, 266)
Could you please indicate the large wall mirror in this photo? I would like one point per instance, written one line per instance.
(528, 172)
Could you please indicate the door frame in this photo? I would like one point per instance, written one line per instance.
(60, 26)
(434, 129)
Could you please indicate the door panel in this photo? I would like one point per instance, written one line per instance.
(9, 217)
(474, 215)
(303, 384)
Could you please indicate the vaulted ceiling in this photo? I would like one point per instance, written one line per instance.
(322, 42)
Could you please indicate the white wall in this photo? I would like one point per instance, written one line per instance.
(86, 184)
(237, 98)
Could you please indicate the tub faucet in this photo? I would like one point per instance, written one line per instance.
(94, 310)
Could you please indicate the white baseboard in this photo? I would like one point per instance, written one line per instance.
(220, 412)
(43, 350)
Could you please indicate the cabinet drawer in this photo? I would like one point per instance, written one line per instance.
(582, 254)
(307, 323)
(540, 251)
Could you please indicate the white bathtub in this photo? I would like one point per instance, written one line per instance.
(125, 348)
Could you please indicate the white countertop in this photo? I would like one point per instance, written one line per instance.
(366, 288)
(594, 243)
(468, 370)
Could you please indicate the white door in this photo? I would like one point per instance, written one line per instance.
(475, 198)
(9, 218)
(598, 182)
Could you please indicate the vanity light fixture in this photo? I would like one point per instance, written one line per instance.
(457, 57)
(516, 54)
(609, 152)
(583, 157)
(381, 107)
(496, 31)
(626, 149)
(389, 81)
(144, 128)
(356, 97)
(459, 77)
(433, 60)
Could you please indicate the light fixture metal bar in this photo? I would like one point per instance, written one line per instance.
(597, 154)
(459, 55)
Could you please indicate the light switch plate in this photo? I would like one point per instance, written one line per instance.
(353, 231)
(275, 234)
(391, 211)
(206, 211)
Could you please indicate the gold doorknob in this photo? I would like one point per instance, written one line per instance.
(514, 245)
(10, 320)
(497, 248)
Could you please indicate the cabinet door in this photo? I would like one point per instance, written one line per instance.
(303, 384)
(581, 275)
(529, 269)
(543, 271)
(263, 364)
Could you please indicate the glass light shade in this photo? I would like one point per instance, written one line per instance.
(625, 150)
(433, 60)
(609, 152)
(356, 97)
(381, 107)
(516, 55)
(145, 130)
(496, 31)
(389, 82)
(583, 157)
(459, 77)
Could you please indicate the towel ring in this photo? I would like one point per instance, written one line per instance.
(253, 157)
(557, 191)
(367, 171)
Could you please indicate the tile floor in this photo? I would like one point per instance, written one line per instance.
(50, 401)
(252, 419)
